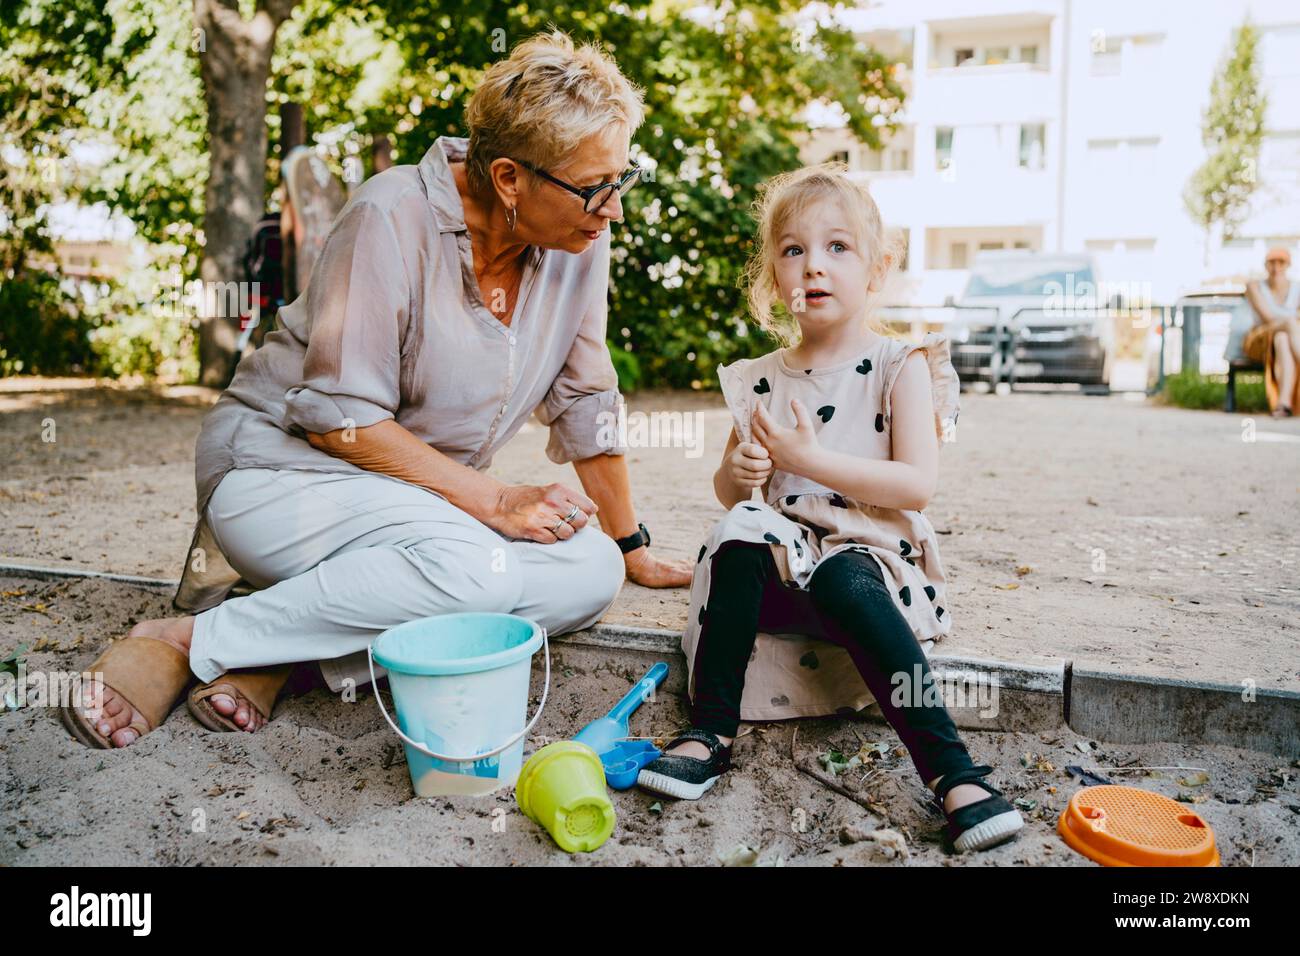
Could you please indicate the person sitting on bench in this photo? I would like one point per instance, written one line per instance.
(1274, 341)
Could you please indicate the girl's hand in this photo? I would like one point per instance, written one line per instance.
(749, 465)
(791, 449)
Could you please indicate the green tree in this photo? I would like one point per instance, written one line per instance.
(1218, 195)
(724, 92)
(48, 62)
(341, 63)
(234, 53)
(102, 101)
(98, 104)
(178, 97)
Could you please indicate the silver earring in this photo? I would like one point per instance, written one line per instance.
(512, 215)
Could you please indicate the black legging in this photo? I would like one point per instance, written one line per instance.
(855, 611)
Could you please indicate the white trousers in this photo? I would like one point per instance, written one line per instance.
(342, 557)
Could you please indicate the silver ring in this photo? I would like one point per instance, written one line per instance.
(556, 529)
(572, 514)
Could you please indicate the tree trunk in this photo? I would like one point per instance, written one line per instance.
(235, 63)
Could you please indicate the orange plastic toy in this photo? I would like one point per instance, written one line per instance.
(1124, 826)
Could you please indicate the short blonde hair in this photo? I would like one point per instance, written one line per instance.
(542, 101)
(786, 197)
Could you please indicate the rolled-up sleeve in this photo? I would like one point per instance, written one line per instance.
(358, 304)
(582, 405)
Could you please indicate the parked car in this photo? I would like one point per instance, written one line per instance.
(1052, 322)
(1023, 316)
(976, 338)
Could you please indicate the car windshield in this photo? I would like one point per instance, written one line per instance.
(1031, 279)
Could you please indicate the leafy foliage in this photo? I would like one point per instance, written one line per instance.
(1192, 390)
(41, 333)
(724, 94)
(1219, 191)
(725, 91)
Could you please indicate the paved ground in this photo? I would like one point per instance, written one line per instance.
(1104, 531)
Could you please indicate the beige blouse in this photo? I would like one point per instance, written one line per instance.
(392, 325)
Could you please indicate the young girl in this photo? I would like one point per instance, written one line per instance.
(840, 429)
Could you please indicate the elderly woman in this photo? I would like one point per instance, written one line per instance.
(343, 472)
(1274, 341)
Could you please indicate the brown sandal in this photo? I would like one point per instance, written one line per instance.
(149, 674)
(260, 686)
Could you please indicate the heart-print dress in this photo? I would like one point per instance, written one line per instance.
(794, 671)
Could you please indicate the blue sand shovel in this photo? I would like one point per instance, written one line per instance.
(623, 758)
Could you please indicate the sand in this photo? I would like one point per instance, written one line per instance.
(326, 783)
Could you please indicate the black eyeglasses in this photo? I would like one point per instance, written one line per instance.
(593, 197)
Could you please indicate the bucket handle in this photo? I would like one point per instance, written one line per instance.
(546, 687)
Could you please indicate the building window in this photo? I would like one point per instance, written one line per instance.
(1281, 51)
(1134, 157)
(1031, 145)
(894, 156)
(889, 160)
(957, 255)
(1142, 154)
(1107, 53)
(840, 156)
(942, 147)
(1120, 246)
(1143, 55)
(1279, 155)
(994, 53)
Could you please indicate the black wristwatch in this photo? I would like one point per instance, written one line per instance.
(634, 541)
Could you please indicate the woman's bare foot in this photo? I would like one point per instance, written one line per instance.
(237, 709)
(117, 714)
(233, 706)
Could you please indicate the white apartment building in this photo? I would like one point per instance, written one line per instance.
(1069, 126)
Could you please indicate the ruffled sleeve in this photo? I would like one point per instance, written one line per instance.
(944, 383)
(737, 391)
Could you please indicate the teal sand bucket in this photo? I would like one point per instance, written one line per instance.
(460, 689)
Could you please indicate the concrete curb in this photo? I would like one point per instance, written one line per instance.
(981, 694)
(34, 571)
(1128, 709)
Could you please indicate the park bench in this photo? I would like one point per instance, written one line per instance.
(1234, 367)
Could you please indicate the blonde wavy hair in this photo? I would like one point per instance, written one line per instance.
(787, 197)
(542, 101)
